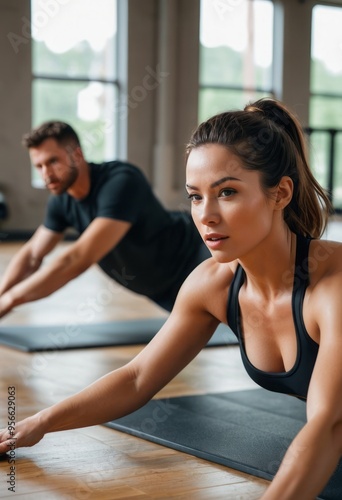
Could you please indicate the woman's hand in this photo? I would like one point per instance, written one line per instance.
(28, 432)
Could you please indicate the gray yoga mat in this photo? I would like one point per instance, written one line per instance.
(78, 336)
(249, 431)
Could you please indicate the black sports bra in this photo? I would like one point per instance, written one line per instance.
(295, 381)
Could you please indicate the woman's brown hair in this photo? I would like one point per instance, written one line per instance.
(267, 137)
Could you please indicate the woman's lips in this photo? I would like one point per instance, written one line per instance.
(215, 240)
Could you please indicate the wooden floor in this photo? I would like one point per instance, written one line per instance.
(97, 462)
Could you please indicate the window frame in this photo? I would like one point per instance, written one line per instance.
(121, 54)
(240, 88)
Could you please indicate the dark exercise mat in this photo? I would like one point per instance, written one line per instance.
(249, 431)
(78, 336)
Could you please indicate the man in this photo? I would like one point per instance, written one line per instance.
(122, 227)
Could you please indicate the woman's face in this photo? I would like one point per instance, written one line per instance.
(229, 207)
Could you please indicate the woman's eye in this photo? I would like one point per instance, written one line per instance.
(227, 192)
(194, 197)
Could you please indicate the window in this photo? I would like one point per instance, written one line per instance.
(325, 110)
(236, 54)
(74, 70)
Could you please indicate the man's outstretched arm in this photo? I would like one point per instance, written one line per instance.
(29, 258)
(100, 237)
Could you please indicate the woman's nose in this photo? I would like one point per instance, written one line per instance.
(210, 214)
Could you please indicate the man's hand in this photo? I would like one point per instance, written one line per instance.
(6, 304)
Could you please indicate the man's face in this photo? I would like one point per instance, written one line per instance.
(56, 165)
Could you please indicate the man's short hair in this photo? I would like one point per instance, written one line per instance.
(62, 132)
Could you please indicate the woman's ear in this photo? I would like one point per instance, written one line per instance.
(284, 192)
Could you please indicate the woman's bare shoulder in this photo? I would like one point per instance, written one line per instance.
(207, 287)
(214, 274)
(325, 258)
(325, 264)
(324, 246)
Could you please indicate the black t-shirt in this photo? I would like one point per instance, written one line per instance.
(157, 251)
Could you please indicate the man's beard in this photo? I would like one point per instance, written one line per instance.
(66, 183)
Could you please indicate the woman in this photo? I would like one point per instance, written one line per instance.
(257, 207)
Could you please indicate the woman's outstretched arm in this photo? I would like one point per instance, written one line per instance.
(120, 392)
(314, 453)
